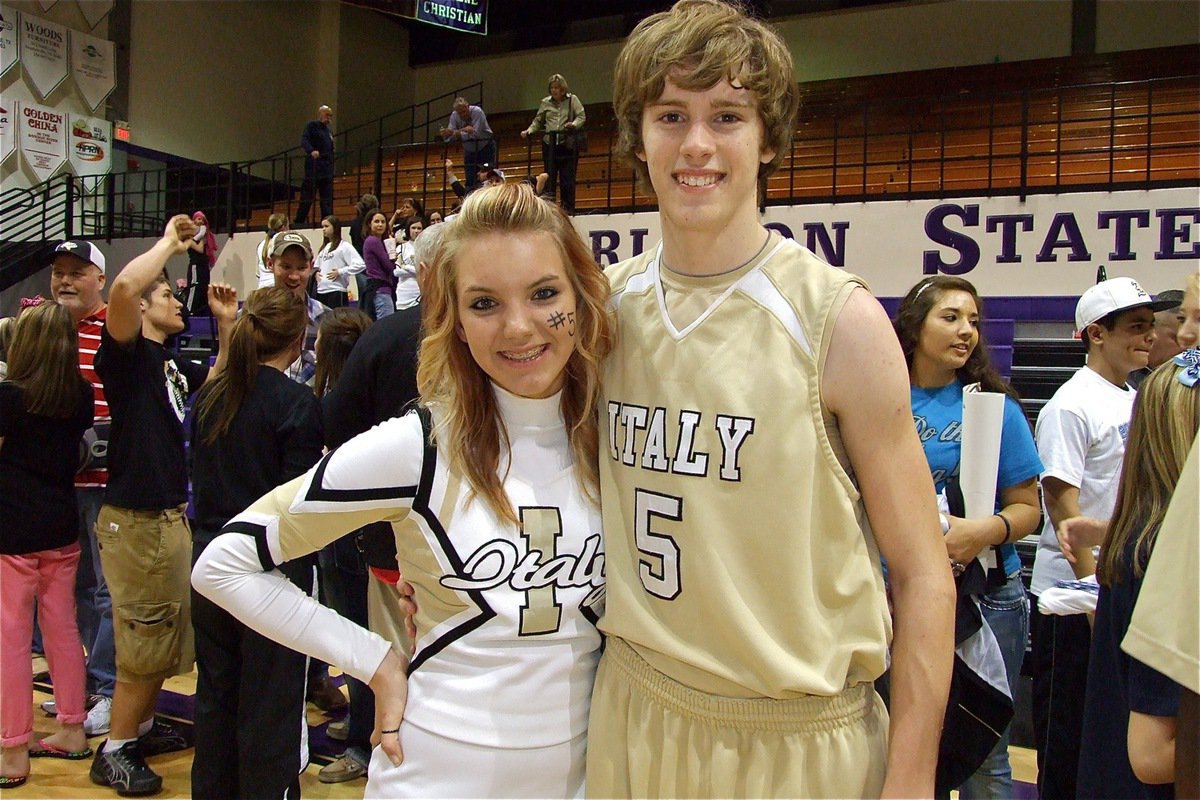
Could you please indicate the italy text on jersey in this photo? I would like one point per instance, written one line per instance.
(539, 573)
(658, 562)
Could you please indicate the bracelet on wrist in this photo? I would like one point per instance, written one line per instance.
(1007, 528)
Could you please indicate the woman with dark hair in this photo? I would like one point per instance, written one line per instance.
(381, 282)
(939, 327)
(337, 334)
(410, 208)
(491, 491)
(336, 261)
(253, 429)
(202, 257)
(408, 291)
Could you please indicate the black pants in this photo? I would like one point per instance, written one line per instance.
(345, 577)
(1061, 646)
(485, 153)
(560, 163)
(314, 182)
(249, 701)
(199, 276)
(334, 299)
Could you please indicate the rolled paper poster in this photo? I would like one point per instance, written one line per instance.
(983, 420)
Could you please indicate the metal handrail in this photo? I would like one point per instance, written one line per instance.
(1026, 139)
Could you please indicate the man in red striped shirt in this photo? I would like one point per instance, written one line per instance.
(76, 280)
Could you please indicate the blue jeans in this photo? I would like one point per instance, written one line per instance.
(385, 306)
(1006, 610)
(93, 605)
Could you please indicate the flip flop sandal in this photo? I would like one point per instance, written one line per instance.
(7, 782)
(44, 749)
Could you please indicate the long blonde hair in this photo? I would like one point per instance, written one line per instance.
(1166, 416)
(469, 424)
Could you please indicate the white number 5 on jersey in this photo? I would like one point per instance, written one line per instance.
(659, 565)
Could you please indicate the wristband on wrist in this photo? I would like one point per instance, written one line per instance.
(1007, 528)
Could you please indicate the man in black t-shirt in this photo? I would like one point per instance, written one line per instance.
(145, 543)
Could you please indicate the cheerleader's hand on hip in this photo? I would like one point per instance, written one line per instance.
(390, 685)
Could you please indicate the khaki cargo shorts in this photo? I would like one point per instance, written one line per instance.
(147, 561)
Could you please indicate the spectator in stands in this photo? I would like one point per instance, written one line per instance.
(291, 262)
(336, 261)
(408, 292)
(493, 175)
(276, 223)
(76, 280)
(145, 544)
(202, 257)
(469, 125)
(939, 325)
(44, 409)
(410, 207)
(251, 429)
(561, 116)
(381, 283)
(343, 570)
(1124, 695)
(1081, 440)
(434, 217)
(317, 144)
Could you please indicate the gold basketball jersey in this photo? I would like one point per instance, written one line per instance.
(739, 559)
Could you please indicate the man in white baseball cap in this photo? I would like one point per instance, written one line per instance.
(77, 278)
(1109, 297)
(1081, 440)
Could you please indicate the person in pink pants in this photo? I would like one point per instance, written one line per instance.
(45, 407)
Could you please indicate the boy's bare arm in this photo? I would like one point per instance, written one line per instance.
(866, 386)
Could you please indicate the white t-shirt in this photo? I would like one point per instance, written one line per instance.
(1081, 437)
(345, 259)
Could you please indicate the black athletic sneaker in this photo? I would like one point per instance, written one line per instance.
(162, 738)
(125, 770)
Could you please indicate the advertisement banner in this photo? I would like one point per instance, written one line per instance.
(10, 52)
(93, 68)
(42, 135)
(468, 16)
(43, 53)
(89, 145)
(95, 10)
(8, 128)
